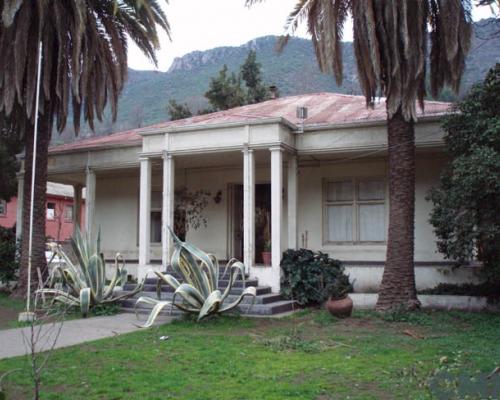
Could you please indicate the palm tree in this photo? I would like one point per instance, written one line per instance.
(84, 50)
(391, 48)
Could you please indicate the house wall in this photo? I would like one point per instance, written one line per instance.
(119, 218)
(58, 228)
(116, 215)
(364, 263)
(310, 221)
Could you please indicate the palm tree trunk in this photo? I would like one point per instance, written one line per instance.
(398, 282)
(40, 208)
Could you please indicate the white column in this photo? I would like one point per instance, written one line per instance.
(168, 206)
(19, 208)
(144, 216)
(90, 202)
(77, 206)
(292, 202)
(248, 208)
(276, 212)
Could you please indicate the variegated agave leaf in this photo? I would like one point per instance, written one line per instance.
(85, 280)
(190, 295)
(236, 267)
(157, 307)
(249, 291)
(199, 291)
(211, 305)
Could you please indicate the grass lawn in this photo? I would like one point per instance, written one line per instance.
(307, 356)
(9, 311)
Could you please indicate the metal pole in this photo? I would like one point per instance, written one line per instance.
(33, 170)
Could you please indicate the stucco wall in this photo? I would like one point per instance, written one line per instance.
(310, 220)
(117, 213)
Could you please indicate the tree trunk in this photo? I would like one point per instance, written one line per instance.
(398, 282)
(39, 210)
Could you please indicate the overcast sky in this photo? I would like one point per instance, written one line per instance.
(205, 24)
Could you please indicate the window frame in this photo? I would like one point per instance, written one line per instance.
(354, 203)
(54, 217)
(66, 207)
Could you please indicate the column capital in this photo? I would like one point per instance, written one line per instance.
(144, 158)
(166, 155)
(246, 149)
(276, 148)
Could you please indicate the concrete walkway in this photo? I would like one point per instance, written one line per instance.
(13, 341)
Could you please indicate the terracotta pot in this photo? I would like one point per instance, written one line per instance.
(266, 257)
(340, 308)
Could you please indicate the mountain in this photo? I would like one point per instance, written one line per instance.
(295, 71)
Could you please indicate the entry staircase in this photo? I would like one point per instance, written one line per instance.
(266, 302)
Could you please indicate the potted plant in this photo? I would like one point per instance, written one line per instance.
(338, 302)
(266, 253)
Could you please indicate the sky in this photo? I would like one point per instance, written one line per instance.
(205, 24)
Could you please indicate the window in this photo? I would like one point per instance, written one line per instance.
(51, 211)
(68, 212)
(3, 208)
(355, 210)
(156, 202)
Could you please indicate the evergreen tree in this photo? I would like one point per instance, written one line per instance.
(178, 111)
(466, 215)
(252, 75)
(225, 91)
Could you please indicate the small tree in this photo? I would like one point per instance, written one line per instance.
(188, 213)
(178, 111)
(466, 213)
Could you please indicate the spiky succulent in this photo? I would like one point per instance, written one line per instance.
(199, 291)
(83, 282)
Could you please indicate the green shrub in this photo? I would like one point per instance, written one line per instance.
(485, 289)
(310, 278)
(9, 263)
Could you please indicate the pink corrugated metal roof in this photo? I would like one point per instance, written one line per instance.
(323, 109)
(120, 138)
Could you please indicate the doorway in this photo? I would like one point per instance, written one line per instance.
(262, 220)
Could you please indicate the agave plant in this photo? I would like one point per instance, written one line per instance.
(199, 292)
(83, 283)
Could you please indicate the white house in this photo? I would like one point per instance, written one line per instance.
(323, 179)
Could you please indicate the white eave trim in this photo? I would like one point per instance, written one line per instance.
(208, 126)
(95, 148)
(366, 123)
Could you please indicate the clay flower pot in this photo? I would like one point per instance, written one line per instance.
(340, 308)
(266, 257)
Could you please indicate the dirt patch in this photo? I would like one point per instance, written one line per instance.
(369, 388)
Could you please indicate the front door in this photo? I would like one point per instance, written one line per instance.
(262, 220)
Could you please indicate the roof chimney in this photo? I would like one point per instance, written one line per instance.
(302, 112)
(274, 92)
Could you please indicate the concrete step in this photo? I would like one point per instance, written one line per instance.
(222, 281)
(278, 307)
(259, 299)
(151, 287)
(165, 289)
